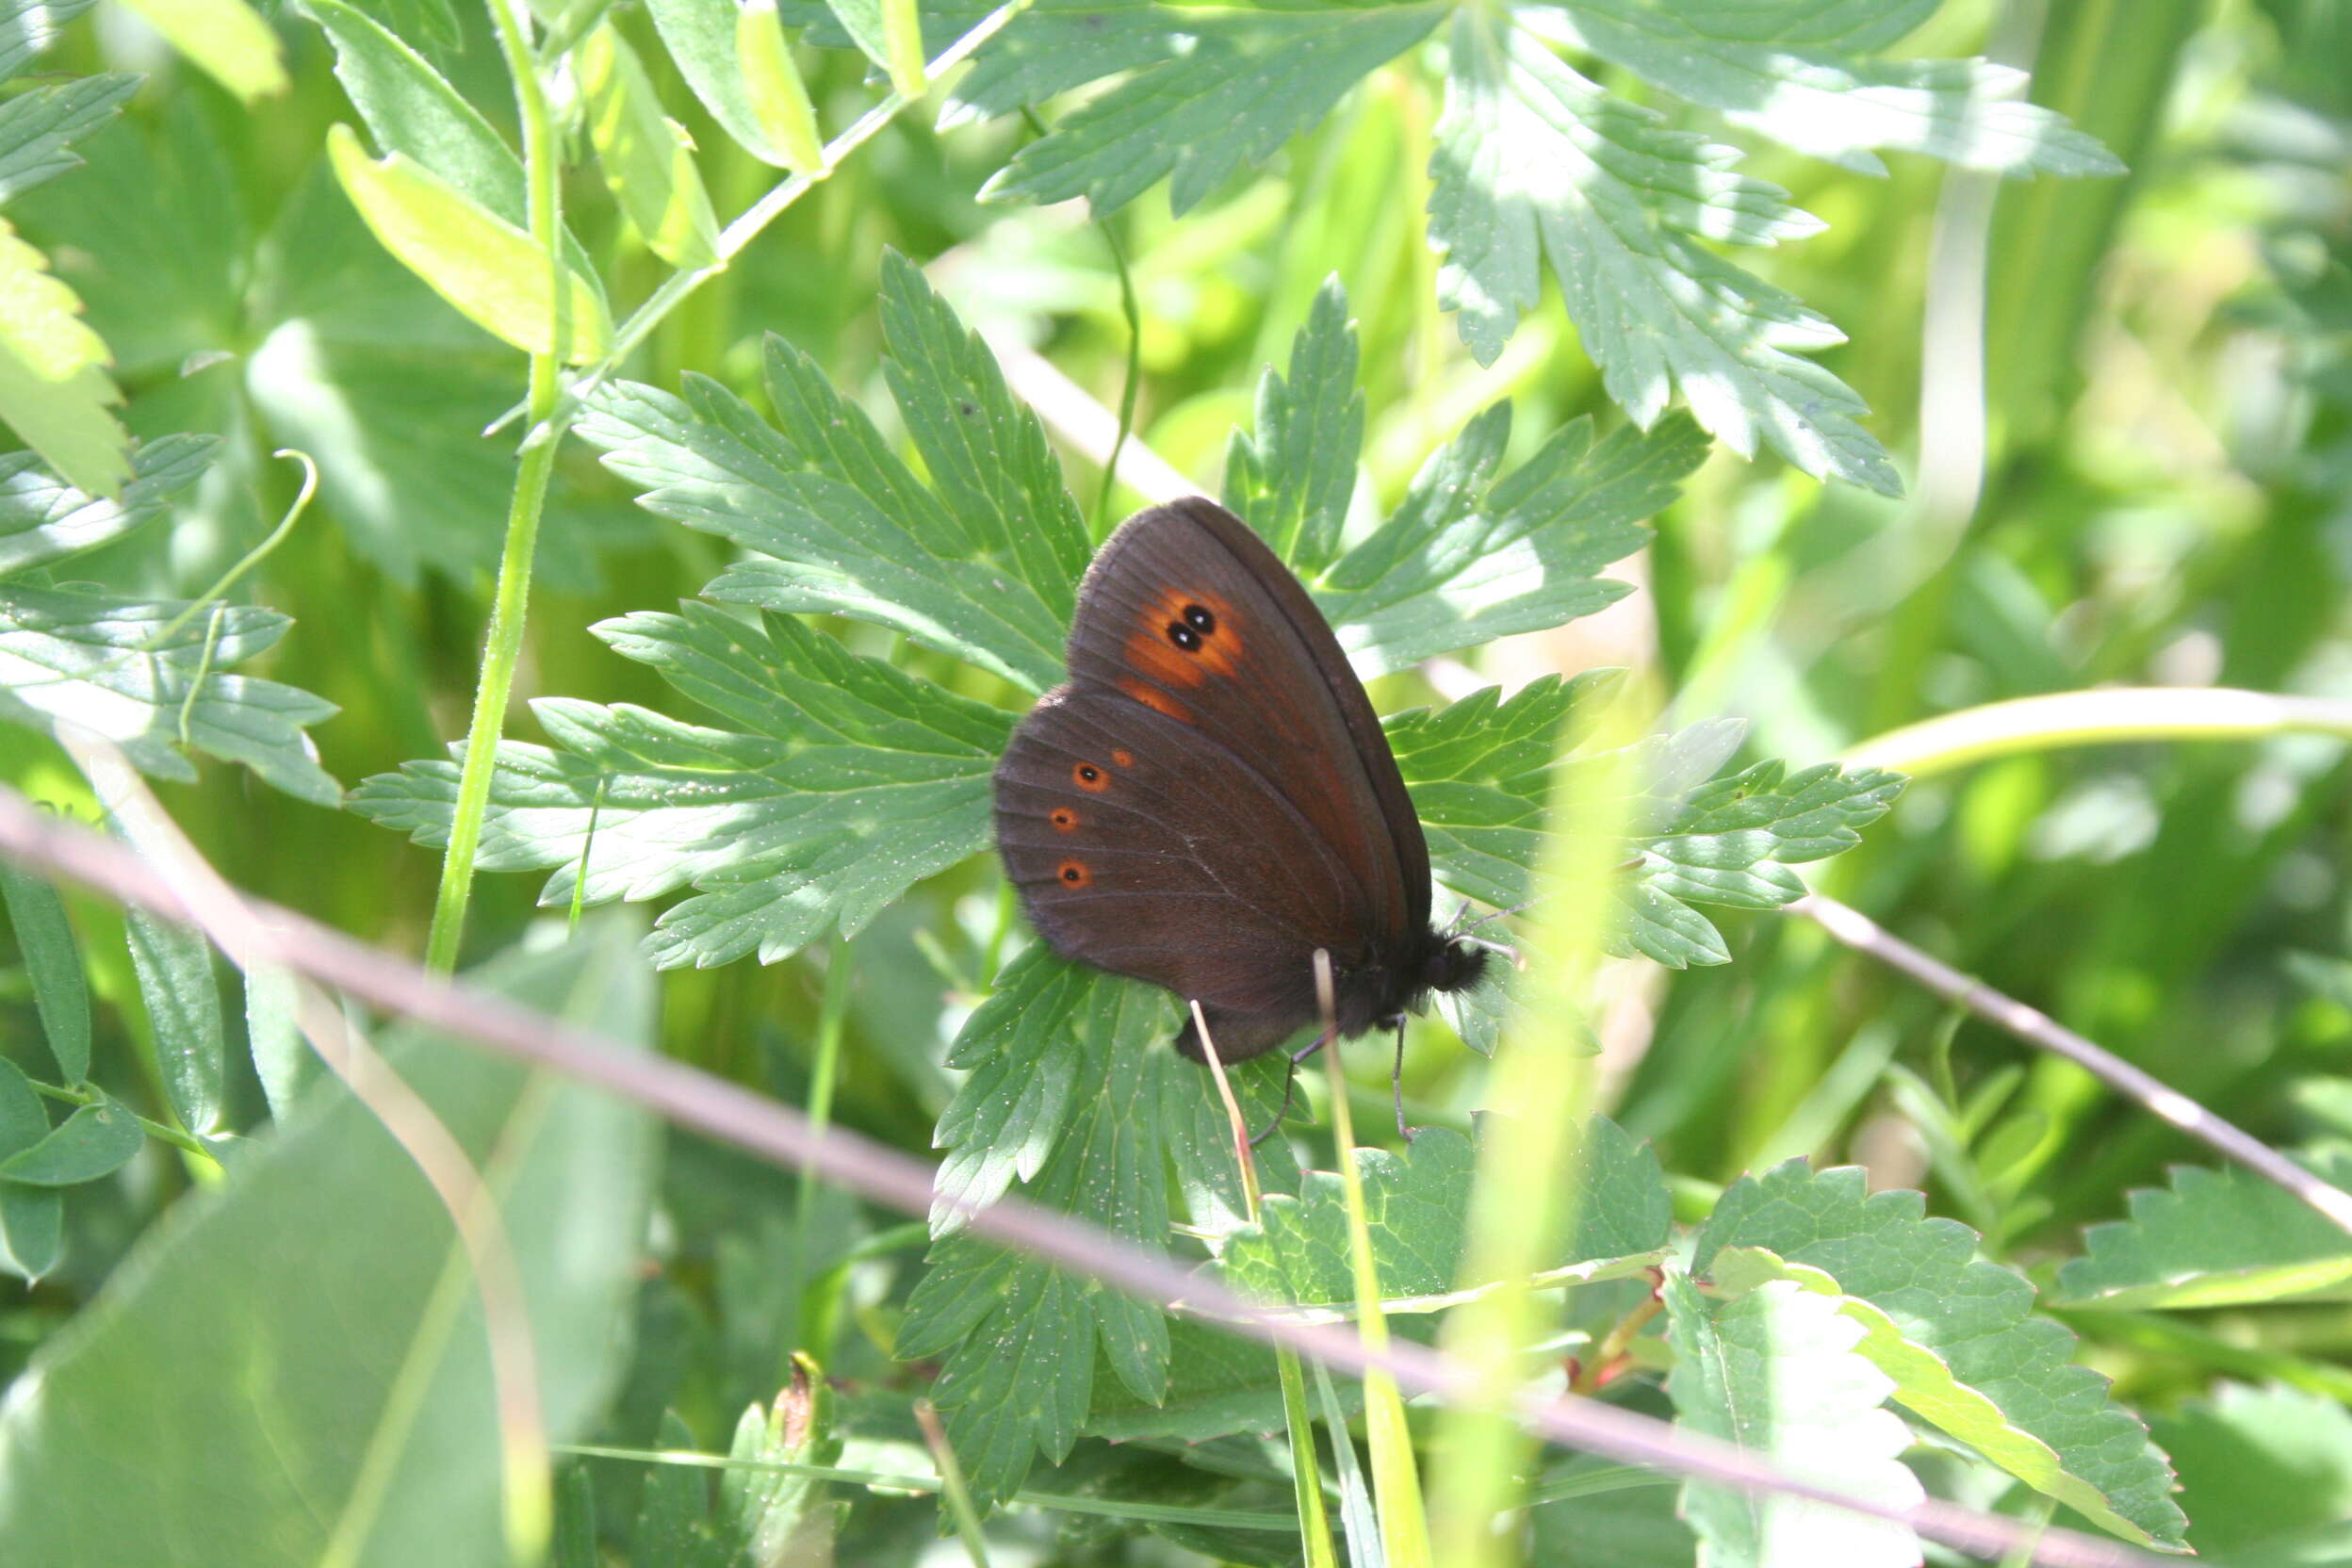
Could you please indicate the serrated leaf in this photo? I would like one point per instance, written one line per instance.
(1467, 557)
(983, 569)
(772, 1516)
(1481, 771)
(96, 1140)
(1974, 1319)
(647, 162)
(102, 663)
(174, 966)
(1054, 46)
(296, 1297)
(1822, 100)
(849, 782)
(29, 26)
(1248, 82)
(53, 965)
(36, 125)
(1534, 162)
(44, 519)
(485, 267)
(226, 40)
(1017, 1335)
(1774, 1372)
(1293, 480)
(2214, 1238)
(54, 392)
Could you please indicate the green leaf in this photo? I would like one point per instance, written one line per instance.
(226, 40)
(1820, 98)
(2214, 1238)
(1293, 482)
(985, 570)
(1534, 161)
(890, 35)
(283, 1060)
(1249, 81)
(1017, 1335)
(701, 37)
(776, 92)
(53, 963)
(1625, 1526)
(104, 663)
(44, 519)
(769, 1516)
(476, 260)
(173, 966)
(1466, 558)
(36, 125)
(1051, 48)
(54, 391)
(1774, 1372)
(26, 29)
(32, 1220)
(1418, 1210)
(323, 1292)
(2263, 1472)
(1481, 769)
(847, 781)
(1960, 1340)
(96, 1140)
(646, 160)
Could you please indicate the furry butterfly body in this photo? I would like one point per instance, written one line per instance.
(1209, 799)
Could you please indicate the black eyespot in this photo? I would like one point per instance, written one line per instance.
(1199, 619)
(1184, 636)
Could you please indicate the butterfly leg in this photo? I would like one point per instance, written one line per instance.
(1397, 1081)
(1290, 1086)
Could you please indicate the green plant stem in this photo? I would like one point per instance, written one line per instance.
(952, 1484)
(2108, 716)
(156, 1130)
(1306, 1478)
(832, 1013)
(1396, 1475)
(504, 642)
(1130, 382)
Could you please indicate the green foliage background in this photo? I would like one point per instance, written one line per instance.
(2165, 500)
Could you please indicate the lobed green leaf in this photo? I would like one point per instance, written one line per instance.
(2214, 1238)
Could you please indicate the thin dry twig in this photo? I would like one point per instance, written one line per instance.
(779, 1133)
(1864, 935)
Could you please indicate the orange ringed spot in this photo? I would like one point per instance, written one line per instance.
(1074, 873)
(1063, 818)
(1089, 778)
(1124, 758)
(1153, 697)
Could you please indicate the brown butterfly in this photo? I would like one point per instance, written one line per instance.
(1209, 799)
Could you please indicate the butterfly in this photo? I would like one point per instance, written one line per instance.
(1209, 799)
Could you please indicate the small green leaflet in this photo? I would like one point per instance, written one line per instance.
(2215, 1239)
(32, 1219)
(2267, 1472)
(1958, 1337)
(1773, 1370)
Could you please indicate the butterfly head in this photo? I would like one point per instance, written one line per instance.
(1452, 965)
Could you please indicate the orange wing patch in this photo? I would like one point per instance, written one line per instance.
(1185, 638)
